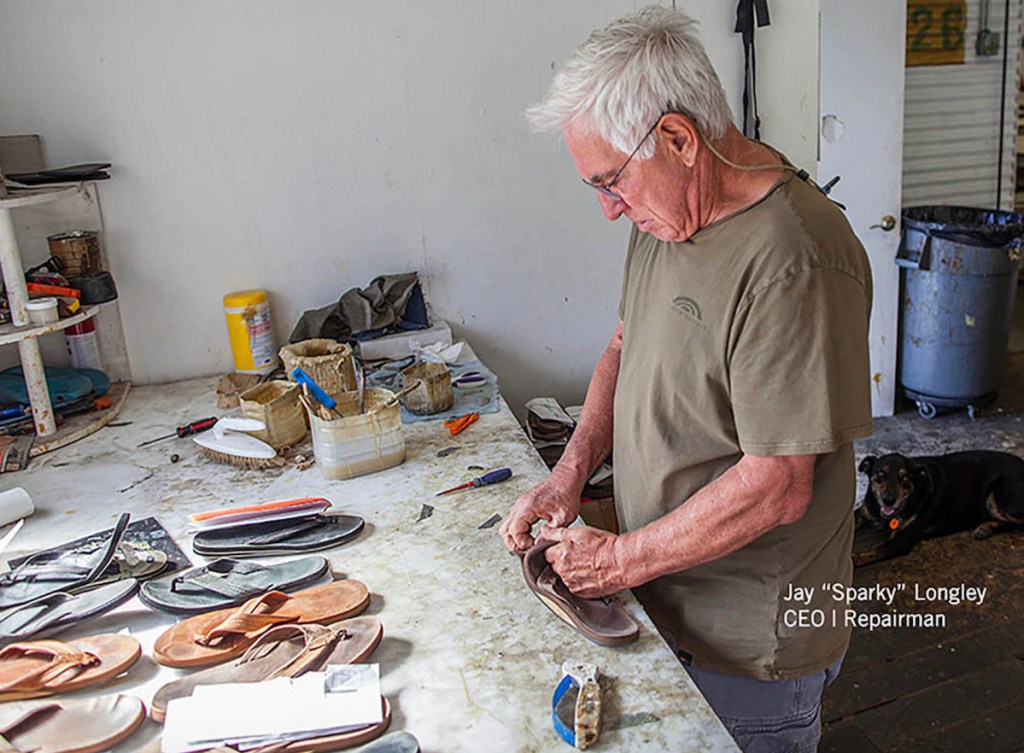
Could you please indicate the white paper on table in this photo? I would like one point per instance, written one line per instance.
(286, 707)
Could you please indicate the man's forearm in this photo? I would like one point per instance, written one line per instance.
(750, 499)
(592, 439)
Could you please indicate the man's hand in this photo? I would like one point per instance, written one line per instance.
(552, 500)
(587, 560)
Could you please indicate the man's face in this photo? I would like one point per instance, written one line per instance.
(657, 194)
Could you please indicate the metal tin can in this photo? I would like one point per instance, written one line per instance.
(78, 251)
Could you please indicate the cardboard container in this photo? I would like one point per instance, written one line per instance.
(360, 443)
(435, 391)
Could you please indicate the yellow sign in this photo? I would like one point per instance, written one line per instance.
(935, 31)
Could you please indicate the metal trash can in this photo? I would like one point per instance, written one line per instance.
(960, 276)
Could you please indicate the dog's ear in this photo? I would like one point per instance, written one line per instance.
(867, 464)
(923, 480)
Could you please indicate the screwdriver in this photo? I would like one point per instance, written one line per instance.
(493, 477)
(195, 427)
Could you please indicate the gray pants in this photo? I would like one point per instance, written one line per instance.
(783, 716)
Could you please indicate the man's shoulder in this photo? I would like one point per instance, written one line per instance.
(802, 229)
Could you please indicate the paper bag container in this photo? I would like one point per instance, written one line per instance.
(435, 391)
(277, 405)
(359, 444)
(329, 363)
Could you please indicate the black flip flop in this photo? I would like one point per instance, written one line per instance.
(49, 572)
(310, 534)
(226, 583)
(56, 611)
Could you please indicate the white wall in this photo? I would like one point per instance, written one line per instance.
(310, 145)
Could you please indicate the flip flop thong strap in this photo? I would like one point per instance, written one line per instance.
(231, 583)
(63, 658)
(287, 532)
(28, 719)
(317, 640)
(252, 618)
(41, 613)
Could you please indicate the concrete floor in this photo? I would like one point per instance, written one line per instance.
(958, 687)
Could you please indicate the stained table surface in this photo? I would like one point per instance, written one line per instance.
(470, 656)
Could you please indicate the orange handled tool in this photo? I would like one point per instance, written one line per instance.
(456, 425)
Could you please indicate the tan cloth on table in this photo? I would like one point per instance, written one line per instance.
(749, 338)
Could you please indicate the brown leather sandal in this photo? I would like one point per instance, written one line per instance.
(40, 668)
(602, 621)
(86, 726)
(225, 634)
(283, 651)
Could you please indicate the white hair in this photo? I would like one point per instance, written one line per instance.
(626, 75)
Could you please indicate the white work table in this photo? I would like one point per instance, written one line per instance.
(470, 657)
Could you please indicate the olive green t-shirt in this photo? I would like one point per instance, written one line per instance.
(750, 337)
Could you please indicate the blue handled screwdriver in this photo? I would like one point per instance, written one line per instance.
(493, 477)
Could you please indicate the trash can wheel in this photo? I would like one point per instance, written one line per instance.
(926, 409)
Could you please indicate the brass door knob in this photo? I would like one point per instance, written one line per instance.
(888, 223)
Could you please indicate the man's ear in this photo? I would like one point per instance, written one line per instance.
(680, 134)
(867, 464)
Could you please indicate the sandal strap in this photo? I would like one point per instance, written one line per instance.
(247, 621)
(318, 639)
(27, 719)
(64, 658)
(286, 532)
(48, 612)
(210, 579)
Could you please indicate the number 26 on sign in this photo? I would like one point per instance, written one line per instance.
(935, 31)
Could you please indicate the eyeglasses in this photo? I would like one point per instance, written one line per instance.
(606, 187)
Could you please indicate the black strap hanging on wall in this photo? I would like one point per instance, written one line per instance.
(745, 12)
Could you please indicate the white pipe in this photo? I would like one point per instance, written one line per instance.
(35, 380)
(14, 275)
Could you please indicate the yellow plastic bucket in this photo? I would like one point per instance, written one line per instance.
(251, 331)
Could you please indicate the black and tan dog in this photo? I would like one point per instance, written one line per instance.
(919, 498)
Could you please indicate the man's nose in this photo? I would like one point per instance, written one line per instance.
(612, 207)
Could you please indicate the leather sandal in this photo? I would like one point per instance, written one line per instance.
(86, 726)
(225, 634)
(40, 668)
(226, 583)
(56, 611)
(133, 559)
(49, 572)
(310, 534)
(283, 651)
(602, 621)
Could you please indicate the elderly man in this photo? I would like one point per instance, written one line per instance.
(731, 391)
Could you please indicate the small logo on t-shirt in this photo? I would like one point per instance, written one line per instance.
(687, 306)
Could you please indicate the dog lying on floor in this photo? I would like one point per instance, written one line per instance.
(925, 497)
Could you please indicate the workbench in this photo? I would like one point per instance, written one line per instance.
(470, 657)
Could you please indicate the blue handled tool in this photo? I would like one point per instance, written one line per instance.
(316, 390)
(576, 705)
(493, 477)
